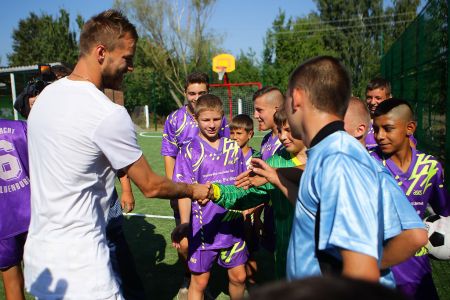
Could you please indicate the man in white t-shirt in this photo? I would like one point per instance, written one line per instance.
(78, 140)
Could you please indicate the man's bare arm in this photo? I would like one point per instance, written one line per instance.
(359, 266)
(403, 246)
(154, 186)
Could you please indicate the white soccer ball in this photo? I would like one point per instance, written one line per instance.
(438, 236)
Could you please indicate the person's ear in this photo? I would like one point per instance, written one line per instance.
(298, 98)
(360, 130)
(251, 133)
(100, 52)
(411, 128)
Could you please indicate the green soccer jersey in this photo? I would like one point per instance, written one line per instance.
(232, 197)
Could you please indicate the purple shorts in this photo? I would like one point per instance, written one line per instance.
(11, 250)
(201, 261)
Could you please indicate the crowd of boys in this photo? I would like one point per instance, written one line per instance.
(340, 183)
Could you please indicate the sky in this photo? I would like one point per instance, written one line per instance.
(242, 23)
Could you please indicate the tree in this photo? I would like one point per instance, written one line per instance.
(247, 68)
(175, 38)
(288, 43)
(43, 39)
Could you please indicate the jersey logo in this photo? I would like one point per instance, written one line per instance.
(429, 170)
(230, 149)
(9, 164)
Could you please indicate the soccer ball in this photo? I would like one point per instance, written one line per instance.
(438, 236)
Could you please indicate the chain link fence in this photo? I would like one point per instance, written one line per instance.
(417, 65)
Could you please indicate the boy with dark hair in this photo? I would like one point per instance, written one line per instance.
(421, 178)
(292, 154)
(215, 233)
(241, 130)
(339, 218)
(180, 127)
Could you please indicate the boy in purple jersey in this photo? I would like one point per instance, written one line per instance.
(378, 90)
(179, 128)
(15, 204)
(266, 102)
(421, 178)
(241, 130)
(215, 233)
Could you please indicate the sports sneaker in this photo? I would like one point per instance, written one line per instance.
(183, 291)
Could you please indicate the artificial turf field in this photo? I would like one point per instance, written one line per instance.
(156, 260)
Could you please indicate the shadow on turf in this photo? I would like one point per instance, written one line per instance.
(161, 280)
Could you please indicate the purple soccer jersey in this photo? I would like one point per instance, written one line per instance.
(180, 127)
(248, 157)
(423, 184)
(269, 145)
(213, 227)
(14, 180)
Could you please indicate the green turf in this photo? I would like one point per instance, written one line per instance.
(156, 260)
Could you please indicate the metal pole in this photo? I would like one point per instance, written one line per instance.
(13, 92)
(239, 106)
(447, 106)
(147, 119)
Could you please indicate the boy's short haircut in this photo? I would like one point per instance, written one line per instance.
(379, 83)
(269, 89)
(197, 77)
(389, 104)
(242, 121)
(106, 28)
(208, 102)
(327, 83)
(280, 118)
(361, 108)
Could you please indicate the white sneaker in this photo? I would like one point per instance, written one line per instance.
(183, 291)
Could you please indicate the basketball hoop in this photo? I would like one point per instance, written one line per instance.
(223, 63)
(221, 71)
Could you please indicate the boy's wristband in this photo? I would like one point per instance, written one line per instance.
(216, 191)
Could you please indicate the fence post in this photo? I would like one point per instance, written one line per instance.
(447, 106)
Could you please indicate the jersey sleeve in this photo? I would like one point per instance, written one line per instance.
(169, 146)
(232, 197)
(440, 200)
(183, 170)
(398, 213)
(349, 207)
(116, 138)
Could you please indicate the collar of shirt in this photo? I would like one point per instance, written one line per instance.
(326, 131)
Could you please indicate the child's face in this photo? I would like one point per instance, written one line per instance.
(391, 133)
(292, 145)
(209, 123)
(264, 112)
(375, 97)
(195, 90)
(241, 136)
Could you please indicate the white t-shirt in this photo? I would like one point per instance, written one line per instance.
(77, 139)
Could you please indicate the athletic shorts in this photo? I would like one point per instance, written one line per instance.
(11, 250)
(201, 261)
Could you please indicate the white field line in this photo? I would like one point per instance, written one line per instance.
(148, 216)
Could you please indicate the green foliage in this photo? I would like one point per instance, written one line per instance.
(44, 39)
(247, 68)
(287, 44)
(143, 87)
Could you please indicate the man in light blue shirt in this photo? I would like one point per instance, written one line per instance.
(339, 222)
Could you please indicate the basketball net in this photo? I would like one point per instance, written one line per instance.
(221, 72)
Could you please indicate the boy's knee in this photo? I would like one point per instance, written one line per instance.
(237, 276)
(199, 282)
